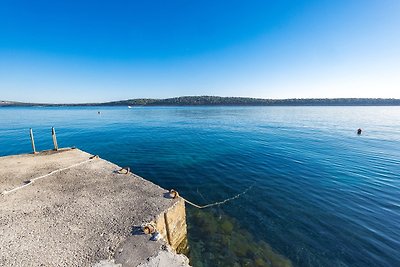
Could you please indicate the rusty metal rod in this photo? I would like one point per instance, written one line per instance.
(53, 133)
(32, 141)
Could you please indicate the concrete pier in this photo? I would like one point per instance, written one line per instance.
(66, 208)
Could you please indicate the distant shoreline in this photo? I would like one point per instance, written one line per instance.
(223, 101)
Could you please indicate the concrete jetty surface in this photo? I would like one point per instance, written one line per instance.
(65, 208)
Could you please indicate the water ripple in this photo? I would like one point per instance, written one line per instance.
(323, 196)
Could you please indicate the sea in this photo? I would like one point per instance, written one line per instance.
(310, 190)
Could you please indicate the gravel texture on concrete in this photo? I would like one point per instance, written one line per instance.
(166, 258)
(15, 170)
(80, 216)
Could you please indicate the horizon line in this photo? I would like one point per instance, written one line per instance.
(10, 102)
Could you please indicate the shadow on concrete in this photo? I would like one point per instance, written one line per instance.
(167, 195)
(137, 230)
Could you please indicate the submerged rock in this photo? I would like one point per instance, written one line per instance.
(219, 240)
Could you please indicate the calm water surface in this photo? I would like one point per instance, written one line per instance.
(322, 195)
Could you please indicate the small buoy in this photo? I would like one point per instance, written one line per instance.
(359, 131)
(173, 193)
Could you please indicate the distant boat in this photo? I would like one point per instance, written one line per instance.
(129, 106)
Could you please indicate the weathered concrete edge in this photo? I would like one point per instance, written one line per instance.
(167, 223)
(170, 224)
(46, 152)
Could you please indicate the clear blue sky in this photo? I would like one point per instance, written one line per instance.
(89, 51)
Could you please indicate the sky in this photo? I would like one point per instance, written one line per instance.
(77, 51)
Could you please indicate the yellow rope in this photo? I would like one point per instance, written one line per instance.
(217, 203)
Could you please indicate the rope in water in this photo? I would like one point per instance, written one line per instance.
(217, 203)
(46, 175)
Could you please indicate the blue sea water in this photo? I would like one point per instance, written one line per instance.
(322, 195)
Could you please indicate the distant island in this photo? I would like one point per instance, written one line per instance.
(227, 101)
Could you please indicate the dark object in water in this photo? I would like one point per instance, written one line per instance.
(98, 112)
(359, 131)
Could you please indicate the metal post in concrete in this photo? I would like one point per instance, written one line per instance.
(53, 133)
(32, 141)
